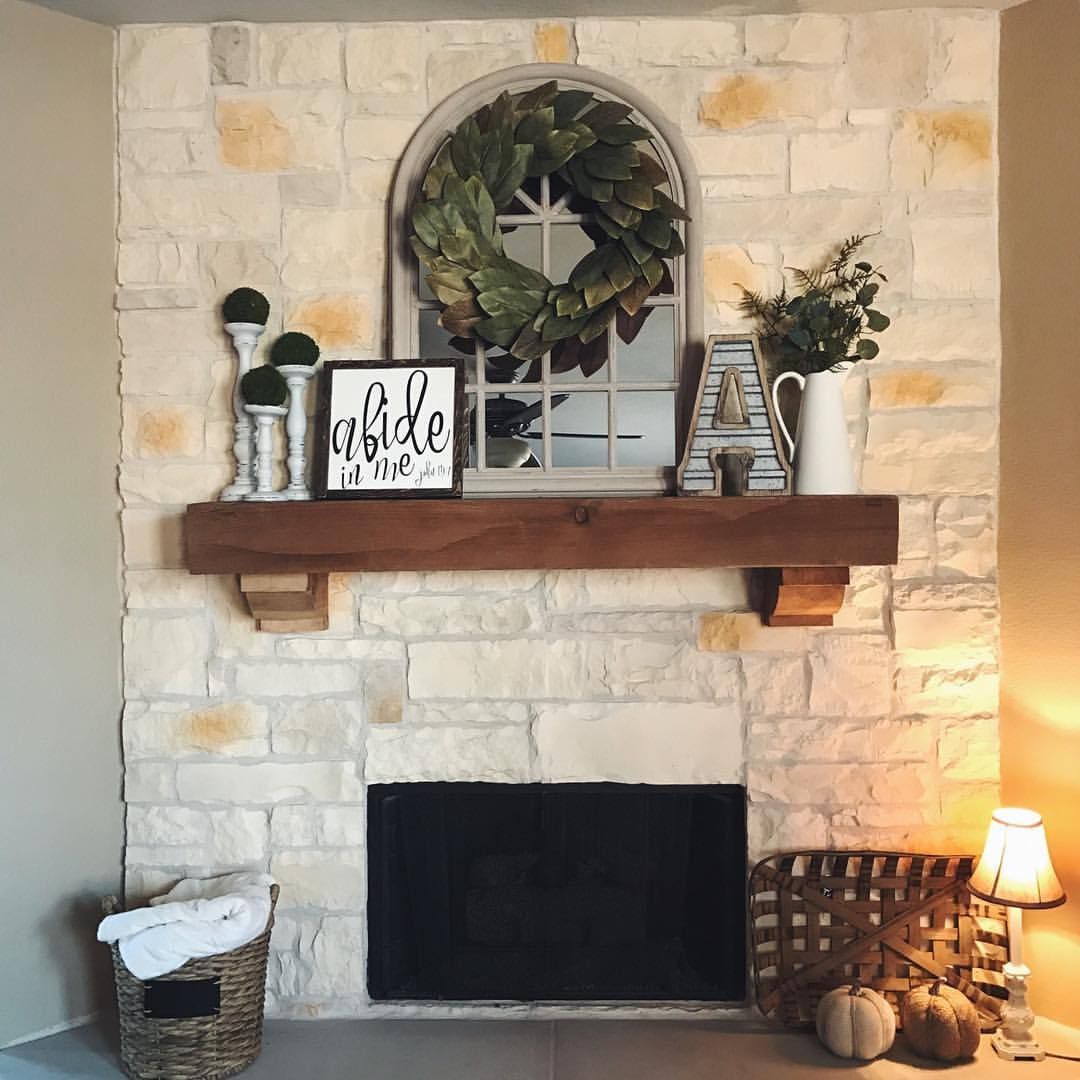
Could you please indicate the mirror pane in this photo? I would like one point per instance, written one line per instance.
(667, 283)
(571, 361)
(650, 414)
(435, 343)
(579, 427)
(650, 354)
(522, 244)
(531, 187)
(517, 206)
(557, 188)
(565, 199)
(434, 340)
(470, 416)
(514, 431)
(569, 245)
(422, 288)
(501, 367)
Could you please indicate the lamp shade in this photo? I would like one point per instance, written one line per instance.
(1014, 868)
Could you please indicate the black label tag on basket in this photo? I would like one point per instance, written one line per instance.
(176, 999)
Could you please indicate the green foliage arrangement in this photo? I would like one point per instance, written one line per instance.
(246, 305)
(264, 385)
(597, 151)
(294, 348)
(815, 329)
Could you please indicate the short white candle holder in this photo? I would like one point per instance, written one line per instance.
(265, 417)
(245, 336)
(297, 377)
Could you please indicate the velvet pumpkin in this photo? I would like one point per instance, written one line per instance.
(940, 1022)
(855, 1022)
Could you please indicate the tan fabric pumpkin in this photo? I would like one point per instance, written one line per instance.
(855, 1022)
(940, 1022)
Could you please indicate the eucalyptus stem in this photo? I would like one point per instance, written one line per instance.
(827, 323)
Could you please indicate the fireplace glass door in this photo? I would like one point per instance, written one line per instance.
(556, 892)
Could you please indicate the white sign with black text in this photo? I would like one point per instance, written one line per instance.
(390, 428)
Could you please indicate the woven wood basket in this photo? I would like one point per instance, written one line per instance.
(201, 1022)
(819, 919)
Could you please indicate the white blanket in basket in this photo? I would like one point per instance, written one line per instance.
(195, 918)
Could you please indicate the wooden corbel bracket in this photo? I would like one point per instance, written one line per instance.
(804, 595)
(287, 603)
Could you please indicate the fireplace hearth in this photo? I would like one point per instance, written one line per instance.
(556, 892)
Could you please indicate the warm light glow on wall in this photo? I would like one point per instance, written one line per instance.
(1040, 764)
(1054, 705)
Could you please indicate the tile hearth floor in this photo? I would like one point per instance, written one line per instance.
(538, 1050)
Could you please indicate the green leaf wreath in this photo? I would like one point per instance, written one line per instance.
(594, 148)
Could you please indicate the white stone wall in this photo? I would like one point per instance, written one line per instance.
(263, 156)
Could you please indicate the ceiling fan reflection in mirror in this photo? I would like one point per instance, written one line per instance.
(507, 422)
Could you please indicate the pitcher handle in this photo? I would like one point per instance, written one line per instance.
(801, 380)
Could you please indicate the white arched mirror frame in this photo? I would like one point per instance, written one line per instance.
(687, 272)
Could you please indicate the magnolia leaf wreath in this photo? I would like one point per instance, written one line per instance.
(596, 151)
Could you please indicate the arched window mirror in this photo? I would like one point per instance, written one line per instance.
(610, 421)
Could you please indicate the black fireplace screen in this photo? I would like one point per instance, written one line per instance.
(556, 892)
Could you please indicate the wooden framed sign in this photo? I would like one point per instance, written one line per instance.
(390, 429)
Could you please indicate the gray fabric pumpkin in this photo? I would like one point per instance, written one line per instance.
(856, 1022)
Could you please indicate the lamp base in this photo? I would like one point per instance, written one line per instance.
(1015, 1039)
(1017, 1050)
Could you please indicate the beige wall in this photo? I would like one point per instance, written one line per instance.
(1040, 456)
(60, 816)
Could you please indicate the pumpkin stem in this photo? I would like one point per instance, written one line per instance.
(856, 988)
(935, 986)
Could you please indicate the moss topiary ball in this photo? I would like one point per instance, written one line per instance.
(264, 386)
(294, 348)
(246, 305)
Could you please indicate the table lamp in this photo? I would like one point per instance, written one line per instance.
(1015, 870)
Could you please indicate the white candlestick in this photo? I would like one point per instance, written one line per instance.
(297, 377)
(265, 418)
(245, 336)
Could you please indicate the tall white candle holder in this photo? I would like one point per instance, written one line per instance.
(265, 416)
(297, 377)
(245, 336)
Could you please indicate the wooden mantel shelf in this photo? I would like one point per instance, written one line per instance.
(283, 551)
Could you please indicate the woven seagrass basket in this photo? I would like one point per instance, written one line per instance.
(201, 1022)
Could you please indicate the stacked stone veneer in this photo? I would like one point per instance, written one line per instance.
(263, 156)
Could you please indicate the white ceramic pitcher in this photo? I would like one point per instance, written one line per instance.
(820, 452)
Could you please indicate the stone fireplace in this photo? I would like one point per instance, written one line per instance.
(268, 163)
